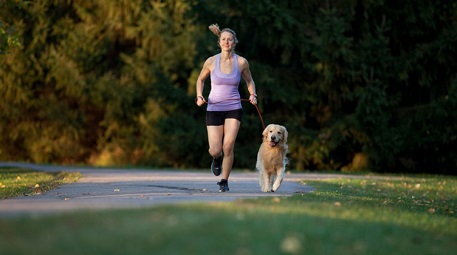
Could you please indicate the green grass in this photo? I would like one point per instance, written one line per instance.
(18, 182)
(410, 215)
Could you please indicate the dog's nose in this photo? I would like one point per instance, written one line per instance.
(273, 137)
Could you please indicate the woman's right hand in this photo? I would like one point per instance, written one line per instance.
(199, 100)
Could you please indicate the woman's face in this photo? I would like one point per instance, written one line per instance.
(226, 41)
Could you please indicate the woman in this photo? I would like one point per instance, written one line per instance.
(224, 111)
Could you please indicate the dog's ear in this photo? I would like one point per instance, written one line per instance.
(265, 132)
(286, 134)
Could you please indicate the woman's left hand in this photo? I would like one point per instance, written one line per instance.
(253, 99)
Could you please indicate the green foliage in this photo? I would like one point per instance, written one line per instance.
(9, 39)
(86, 72)
(360, 85)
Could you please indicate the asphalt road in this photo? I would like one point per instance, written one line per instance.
(126, 188)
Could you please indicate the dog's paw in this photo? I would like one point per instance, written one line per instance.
(266, 190)
(276, 186)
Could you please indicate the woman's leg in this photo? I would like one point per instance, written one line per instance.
(215, 135)
(230, 132)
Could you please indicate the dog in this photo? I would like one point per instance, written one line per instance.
(271, 158)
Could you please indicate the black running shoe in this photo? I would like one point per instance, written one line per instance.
(223, 186)
(216, 166)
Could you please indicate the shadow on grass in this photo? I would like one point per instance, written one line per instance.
(21, 181)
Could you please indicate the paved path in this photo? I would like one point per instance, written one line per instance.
(124, 188)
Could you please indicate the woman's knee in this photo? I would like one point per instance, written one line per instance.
(228, 149)
(215, 152)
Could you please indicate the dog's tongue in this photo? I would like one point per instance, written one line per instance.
(272, 144)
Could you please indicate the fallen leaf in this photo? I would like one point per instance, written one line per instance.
(291, 244)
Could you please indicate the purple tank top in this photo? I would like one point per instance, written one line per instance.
(224, 88)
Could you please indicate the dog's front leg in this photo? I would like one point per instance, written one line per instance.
(279, 178)
(266, 176)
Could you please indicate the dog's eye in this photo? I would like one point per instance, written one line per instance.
(279, 132)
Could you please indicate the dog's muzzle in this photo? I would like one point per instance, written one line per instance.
(273, 142)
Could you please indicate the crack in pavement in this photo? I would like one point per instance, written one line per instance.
(178, 188)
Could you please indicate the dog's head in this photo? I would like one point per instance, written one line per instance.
(275, 134)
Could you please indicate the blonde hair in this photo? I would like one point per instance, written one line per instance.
(217, 31)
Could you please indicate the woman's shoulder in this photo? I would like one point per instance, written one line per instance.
(210, 61)
(242, 61)
(241, 58)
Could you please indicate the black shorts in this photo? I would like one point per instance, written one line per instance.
(217, 118)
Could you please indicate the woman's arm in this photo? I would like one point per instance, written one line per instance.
(204, 73)
(246, 74)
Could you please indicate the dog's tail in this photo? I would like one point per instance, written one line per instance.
(261, 173)
(261, 180)
(258, 167)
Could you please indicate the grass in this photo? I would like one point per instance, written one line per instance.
(18, 182)
(409, 215)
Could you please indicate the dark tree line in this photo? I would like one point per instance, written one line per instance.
(360, 85)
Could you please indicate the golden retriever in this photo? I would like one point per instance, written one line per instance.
(271, 158)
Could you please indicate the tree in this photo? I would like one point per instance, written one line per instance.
(353, 80)
(359, 84)
(87, 72)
